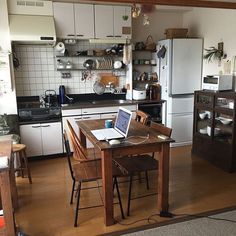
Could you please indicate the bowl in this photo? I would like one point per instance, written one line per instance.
(203, 130)
(202, 115)
(216, 131)
(231, 105)
(225, 121)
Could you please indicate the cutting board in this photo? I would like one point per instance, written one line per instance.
(107, 78)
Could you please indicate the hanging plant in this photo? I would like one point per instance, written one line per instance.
(214, 53)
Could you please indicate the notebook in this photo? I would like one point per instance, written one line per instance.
(120, 129)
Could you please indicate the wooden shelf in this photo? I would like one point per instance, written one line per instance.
(217, 149)
(82, 69)
(144, 64)
(144, 50)
(58, 56)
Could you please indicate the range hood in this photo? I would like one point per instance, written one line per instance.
(31, 29)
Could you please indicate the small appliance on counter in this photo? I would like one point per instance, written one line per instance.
(50, 98)
(63, 98)
(217, 82)
(139, 94)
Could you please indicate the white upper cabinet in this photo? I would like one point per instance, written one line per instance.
(104, 21)
(112, 21)
(64, 19)
(84, 21)
(122, 21)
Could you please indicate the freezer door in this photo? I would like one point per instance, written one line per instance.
(180, 105)
(186, 70)
(182, 127)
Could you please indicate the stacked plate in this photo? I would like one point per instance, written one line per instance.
(105, 63)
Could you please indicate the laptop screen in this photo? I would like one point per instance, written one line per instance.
(123, 121)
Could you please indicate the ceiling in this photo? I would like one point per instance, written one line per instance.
(225, 4)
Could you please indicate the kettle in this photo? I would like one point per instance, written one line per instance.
(50, 98)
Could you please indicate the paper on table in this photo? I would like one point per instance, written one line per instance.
(3, 162)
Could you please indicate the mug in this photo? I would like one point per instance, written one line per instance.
(108, 123)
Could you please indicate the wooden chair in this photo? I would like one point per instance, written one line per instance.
(132, 165)
(142, 117)
(19, 149)
(86, 169)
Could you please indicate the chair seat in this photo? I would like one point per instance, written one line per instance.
(18, 147)
(135, 164)
(91, 170)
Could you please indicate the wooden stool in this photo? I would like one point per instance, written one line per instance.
(20, 149)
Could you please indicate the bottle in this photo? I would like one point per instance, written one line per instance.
(62, 94)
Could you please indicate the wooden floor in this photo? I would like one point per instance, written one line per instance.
(195, 187)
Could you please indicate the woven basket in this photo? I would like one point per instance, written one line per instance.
(150, 45)
(176, 33)
(100, 52)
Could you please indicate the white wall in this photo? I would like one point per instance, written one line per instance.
(7, 101)
(159, 21)
(214, 25)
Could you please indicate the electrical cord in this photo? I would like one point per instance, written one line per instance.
(152, 220)
(136, 143)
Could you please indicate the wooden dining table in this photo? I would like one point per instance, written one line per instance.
(140, 139)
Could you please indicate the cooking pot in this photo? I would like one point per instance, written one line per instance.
(89, 64)
(50, 98)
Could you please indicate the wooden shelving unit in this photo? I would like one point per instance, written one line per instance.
(212, 139)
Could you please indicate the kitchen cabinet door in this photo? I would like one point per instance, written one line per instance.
(104, 21)
(51, 138)
(122, 22)
(31, 137)
(90, 117)
(64, 19)
(84, 21)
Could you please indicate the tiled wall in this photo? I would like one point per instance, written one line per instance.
(37, 71)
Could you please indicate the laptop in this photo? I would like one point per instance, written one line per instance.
(120, 129)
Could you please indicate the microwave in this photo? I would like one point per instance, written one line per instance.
(217, 82)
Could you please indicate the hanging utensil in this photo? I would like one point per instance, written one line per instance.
(98, 87)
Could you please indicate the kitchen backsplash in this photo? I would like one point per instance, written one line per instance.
(37, 71)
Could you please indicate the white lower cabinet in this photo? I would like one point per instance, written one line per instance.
(42, 139)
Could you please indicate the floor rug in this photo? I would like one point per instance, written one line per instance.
(223, 224)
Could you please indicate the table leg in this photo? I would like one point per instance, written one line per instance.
(163, 179)
(107, 187)
(7, 203)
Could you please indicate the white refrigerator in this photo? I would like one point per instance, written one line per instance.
(180, 73)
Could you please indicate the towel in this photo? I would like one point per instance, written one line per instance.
(127, 54)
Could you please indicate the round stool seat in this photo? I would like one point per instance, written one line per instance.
(18, 147)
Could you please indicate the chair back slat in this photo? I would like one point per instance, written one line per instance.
(79, 151)
(142, 117)
(68, 152)
(161, 128)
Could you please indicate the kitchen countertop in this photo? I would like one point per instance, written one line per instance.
(104, 103)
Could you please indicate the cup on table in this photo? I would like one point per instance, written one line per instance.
(108, 123)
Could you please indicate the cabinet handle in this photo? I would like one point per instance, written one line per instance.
(77, 118)
(38, 126)
(79, 35)
(70, 35)
(44, 126)
(109, 36)
(118, 36)
(85, 112)
(86, 117)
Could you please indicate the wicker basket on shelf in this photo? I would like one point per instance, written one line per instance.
(176, 33)
(100, 52)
